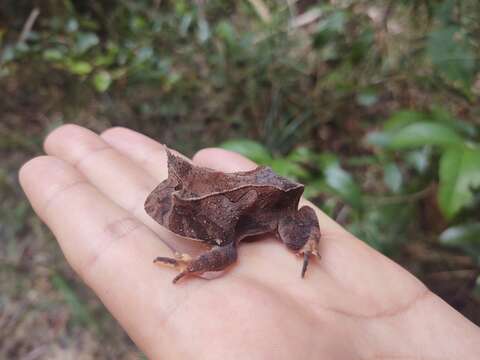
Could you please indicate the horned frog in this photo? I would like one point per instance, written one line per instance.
(222, 209)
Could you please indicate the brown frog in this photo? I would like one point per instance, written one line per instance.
(221, 209)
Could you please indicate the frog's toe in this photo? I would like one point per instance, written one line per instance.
(166, 261)
(308, 252)
(179, 276)
(180, 259)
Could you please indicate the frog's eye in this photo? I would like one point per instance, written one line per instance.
(178, 186)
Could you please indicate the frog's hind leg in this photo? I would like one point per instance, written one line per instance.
(300, 232)
(216, 259)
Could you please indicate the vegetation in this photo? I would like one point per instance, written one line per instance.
(373, 105)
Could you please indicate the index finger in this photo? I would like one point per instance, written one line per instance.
(110, 249)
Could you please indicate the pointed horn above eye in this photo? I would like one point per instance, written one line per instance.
(177, 164)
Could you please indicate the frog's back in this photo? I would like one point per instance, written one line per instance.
(271, 204)
(203, 182)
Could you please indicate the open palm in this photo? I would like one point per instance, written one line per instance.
(353, 304)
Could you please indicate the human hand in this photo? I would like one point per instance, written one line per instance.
(353, 304)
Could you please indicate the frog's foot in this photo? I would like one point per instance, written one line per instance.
(301, 233)
(308, 250)
(216, 259)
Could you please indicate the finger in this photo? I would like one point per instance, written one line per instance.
(116, 176)
(111, 250)
(223, 160)
(144, 151)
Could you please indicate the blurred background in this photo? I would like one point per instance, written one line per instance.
(372, 104)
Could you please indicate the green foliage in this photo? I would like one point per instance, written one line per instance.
(459, 168)
(203, 72)
(340, 181)
(102, 80)
(373, 219)
(383, 226)
(451, 52)
(392, 177)
(423, 133)
(79, 310)
(459, 176)
(249, 148)
(466, 236)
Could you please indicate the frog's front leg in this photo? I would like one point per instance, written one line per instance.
(300, 232)
(216, 259)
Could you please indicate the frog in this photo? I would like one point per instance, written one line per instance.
(222, 209)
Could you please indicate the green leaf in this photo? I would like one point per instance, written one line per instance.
(367, 98)
(79, 67)
(441, 115)
(327, 159)
(316, 188)
(419, 159)
(249, 148)
(452, 54)
(85, 41)
(400, 119)
(424, 133)
(52, 55)
(328, 30)
(301, 154)
(138, 24)
(287, 168)
(102, 80)
(7, 54)
(343, 184)
(226, 31)
(445, 11)
(334, 21)
(185, 23)
(383, 227)
(392, 176)
(71, 25)
(410, 129)
(459, 175)
(203, 31)
(465, 234)
(143, 54)
(379, 138)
